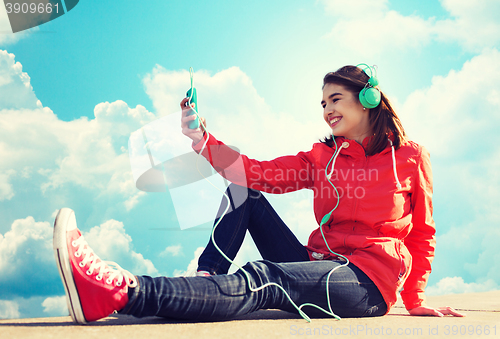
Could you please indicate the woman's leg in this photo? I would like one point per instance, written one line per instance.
(250, 210)
(94, 289)
(222, 297)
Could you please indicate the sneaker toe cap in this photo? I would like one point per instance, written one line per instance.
(67, 216)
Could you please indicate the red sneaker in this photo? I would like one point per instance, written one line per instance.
(94, 288)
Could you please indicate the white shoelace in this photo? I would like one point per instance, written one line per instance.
(105, 267)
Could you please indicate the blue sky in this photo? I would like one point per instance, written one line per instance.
(73, 90)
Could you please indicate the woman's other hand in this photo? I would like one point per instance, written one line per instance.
(437, 312)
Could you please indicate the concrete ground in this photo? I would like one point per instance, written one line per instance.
(482, 321)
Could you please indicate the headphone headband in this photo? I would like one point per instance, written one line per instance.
(370, 96)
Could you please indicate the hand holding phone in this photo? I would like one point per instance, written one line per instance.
(193, 99)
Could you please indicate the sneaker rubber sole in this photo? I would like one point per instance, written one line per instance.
(65, 220)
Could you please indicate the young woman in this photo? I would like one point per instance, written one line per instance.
(376, 231)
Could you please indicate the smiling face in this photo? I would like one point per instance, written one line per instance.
(344, 113)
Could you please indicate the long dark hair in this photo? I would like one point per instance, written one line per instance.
(383, 119)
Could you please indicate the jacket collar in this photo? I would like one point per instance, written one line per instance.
(356, 148)
(353, 148)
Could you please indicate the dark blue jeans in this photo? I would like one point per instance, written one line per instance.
(271, 235)
(286, 263)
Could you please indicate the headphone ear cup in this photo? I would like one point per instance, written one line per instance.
(369, 97)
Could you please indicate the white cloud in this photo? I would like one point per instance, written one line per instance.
(133, 200)
(51, 153)
(174, 251)
(26, 250)
(166, 88)
(487, 265)
(116, 119)
(481, 261)
(376, 34)
(369, 27)
(6, 35)
(24, 144)
(93, 156)
(55, 306)
(9, 309)
(459, 111)
(474, 25)
(16, 91)
(6, 190)
(111, 243)
(456, 285)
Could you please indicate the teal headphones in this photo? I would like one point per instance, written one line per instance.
(370, 96)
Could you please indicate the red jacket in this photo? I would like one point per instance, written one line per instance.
(387, 232)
